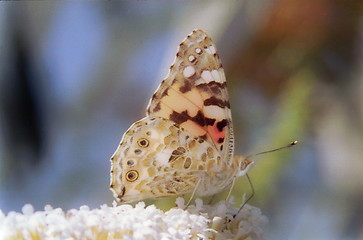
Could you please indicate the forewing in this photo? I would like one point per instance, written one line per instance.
(194, 94)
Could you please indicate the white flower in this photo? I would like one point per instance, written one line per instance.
(126, 222)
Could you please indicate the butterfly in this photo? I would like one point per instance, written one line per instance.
(185, 143)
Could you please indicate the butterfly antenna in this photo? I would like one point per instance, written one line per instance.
(248, 177)
(274, 150)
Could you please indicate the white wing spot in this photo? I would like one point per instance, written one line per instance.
(216, 76)
(212, 49)
(188, 71)
(188, 42)
(191, 58)
(208, 51)
(201, 37)
(198, 50)
(213, 111)
(207, 76)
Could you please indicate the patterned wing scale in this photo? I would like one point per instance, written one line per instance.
(194, 94)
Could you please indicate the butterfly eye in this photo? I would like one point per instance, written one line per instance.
(132, 175)
(143, 142)
(243, 165)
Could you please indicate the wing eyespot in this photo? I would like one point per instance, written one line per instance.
(132, 175)
(143, 142)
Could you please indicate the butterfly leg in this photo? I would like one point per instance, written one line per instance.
(230, 190)
(249, 198)
(192, 196)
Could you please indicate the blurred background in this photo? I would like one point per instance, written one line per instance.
(75, 75)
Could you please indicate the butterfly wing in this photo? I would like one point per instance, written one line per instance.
(194, 94)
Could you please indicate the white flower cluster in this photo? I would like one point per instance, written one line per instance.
(126, 222)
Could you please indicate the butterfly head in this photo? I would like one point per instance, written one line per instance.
(244, 164)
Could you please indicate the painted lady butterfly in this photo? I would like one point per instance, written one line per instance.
(185, 143)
